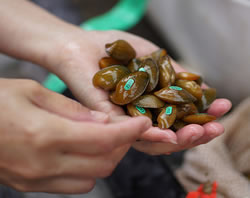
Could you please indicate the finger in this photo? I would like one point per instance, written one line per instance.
(65, 107)
(115, 119)
(188, 134)
(89, 95)
(153, 148)
(212, 130)
(64, 185)
(155, 134)
(94, 166)
(219, 107)
(95, 138)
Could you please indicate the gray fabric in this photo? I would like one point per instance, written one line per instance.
(225, 159)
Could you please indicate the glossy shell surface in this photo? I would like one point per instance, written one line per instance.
(130, 87)
(200, 118)
(167, 72)
(191, 86)
(167, 117)
(149, 101)
(120, 50)
(108, 61)
(208, 96)
(152, 69)
(187, 76)
(175, 95)
(135, 110)
(107, 78)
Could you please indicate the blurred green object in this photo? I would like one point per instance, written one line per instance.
(123, 16)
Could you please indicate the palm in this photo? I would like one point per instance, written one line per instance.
(84, 61)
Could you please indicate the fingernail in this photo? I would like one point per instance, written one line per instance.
(170, 141)
(99, 116)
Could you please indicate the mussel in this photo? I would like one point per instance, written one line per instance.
(107, 78)
(152, 69)
(178, 124)
(120, 50)
(175, 95)
(156, 55)
(207, 98)
(187, 76)
(135, 110)
(134, 65)
(191, 86)
(149, 101)
(130, 87)
(167, 72)
(199, 118)
(167, 117)
(108, 61)
(186, 109)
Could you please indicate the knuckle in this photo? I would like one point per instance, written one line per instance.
(35, 137)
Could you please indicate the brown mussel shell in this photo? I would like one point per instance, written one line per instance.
(120, 50)
(175, 95)
(199, 118)
(149, 101)
(167, 117)
(187, 76)
(108, 78)
(156, 55)
(167, 72)
(186, 109)
(178, 124)
(134, 65)
(191, 86)
(209, 95)
(130, 87)
(134, 110)
(108, 61)
(152, 69)
(199, 81)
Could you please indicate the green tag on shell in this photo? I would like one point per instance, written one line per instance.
(175, 88)
(142, 69)
(129, 84)
(140, 109)
(169, 110)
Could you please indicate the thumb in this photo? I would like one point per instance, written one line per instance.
(58, 104)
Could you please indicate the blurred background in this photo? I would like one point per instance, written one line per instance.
(210, 38)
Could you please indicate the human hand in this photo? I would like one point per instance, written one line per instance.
(49, 143)
(73, 55)
(78, 62)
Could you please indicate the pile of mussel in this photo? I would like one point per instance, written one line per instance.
(149, 86)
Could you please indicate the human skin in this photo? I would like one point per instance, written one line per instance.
(32, 34)
(50, 143)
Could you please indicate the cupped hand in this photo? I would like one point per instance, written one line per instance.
(78, 62)
(50, 143)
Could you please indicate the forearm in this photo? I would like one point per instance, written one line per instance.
(29, 32)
